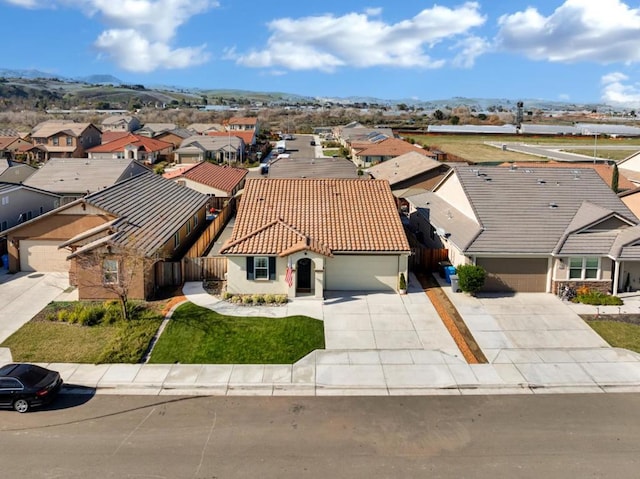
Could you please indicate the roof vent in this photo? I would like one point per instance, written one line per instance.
(487, 179)
(513, 167)
(541, 181)
(553, 205)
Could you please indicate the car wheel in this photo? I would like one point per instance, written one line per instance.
(21, 405)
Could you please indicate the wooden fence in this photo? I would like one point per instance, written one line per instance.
(425, 259)
(205, 268)
(208, 235)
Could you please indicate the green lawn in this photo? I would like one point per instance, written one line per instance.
(57, 342)
(618, 334)
(48, 339)
(197, 335)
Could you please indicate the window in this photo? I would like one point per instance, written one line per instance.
(55, 141)
(110, 271)
(3, 225)
(188, 227)
(261, 268)
(5, 200)
(195, 220)
(69, 141)
(584, 268)
(176, 240)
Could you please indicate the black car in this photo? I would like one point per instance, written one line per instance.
(23, 386)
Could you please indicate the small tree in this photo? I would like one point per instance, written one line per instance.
(471, 278)
(615, 178)
(402, 284)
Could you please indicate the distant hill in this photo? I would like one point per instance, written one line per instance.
(35, 89)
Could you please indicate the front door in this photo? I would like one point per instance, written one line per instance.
(303, 275)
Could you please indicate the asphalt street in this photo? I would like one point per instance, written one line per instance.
(549, 436)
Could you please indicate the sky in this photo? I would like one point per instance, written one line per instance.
(578, 51)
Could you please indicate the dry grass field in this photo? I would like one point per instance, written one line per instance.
(474, 148)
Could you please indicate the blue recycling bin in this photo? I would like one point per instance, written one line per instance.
(448, 272)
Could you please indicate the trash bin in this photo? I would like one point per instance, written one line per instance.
(448, 271)
(441, 266)
(454, 283)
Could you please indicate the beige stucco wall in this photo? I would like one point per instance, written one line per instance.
(561, 269)
(237, 282)
(207, 190)
(633, 203)
(451, 191)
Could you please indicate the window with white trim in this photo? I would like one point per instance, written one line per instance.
(110, 271)
(188, 227)
(176, 240)
(261, 267)
(587, 267)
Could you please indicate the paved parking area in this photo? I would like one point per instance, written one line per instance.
(361, 320)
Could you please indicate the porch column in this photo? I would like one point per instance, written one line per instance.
(616, 277)
(319, 283)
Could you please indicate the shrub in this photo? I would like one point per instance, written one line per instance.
(471, 278)
(247, 299)
(258, 299)
(282, 299)
(269, 298)
(227, 295)
(596, 298)
(402, 282)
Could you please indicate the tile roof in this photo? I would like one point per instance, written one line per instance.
(242, 120)
(151, 209)
(392, 147)
(79, 175)
(403, 167)
(604, 170)
(109, 136)
(175, 172)
(279, 216)
(115, 119)
(529, 210)
(246, 136)
(143, 142)
(224, 178)
(210, 143)
(5, 141)
(201, 128)
(72, 129)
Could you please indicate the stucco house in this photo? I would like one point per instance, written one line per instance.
(125, 230)
(10, 146)
(305, 236)
(409, 172)
(384, 150)
(20, 203)
(132, 147)
(64, 139)
(532, 230)
(72, 178)
(221, 181)
(198, 148)
(126, 123)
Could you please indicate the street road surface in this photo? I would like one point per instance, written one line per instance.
(545, 436)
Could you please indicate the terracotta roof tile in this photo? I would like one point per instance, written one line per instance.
(149, 144)
(246, 136)
(280, 216)
(224, 178)
(392, 147)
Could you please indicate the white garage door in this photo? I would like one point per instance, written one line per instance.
(361, 273)
(42, 255)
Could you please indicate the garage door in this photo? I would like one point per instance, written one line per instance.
(42, 255)
(523, 275)
(361, 273)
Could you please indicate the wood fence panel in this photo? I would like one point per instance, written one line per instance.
(205, 269)
(168, 273)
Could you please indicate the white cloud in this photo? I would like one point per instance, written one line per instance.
(139, 33)
(471, 48)
(134, 52)
(617, 91)
(357, 40)
(602, 31)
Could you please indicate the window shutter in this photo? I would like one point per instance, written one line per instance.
(249, 267)
(272, 268)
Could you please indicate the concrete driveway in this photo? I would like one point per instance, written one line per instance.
(524, 321)
(23, 295)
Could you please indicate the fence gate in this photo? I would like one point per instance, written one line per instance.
(168, 273)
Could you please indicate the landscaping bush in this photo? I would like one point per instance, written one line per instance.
(471, 278)
(282, 299)
(270, 298)
(227, 295)
(257, 299)
(597, 298)
(247, 300)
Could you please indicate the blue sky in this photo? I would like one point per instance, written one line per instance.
(571, 50)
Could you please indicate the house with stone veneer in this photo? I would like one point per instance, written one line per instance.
(334, 234)
(532, 229)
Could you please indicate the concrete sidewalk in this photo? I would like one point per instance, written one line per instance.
(397, 348)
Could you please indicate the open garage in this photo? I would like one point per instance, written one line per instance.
(522, 275)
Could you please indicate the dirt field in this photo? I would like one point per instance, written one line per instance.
(472, 148)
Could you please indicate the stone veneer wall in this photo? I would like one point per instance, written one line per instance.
(602, 286)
